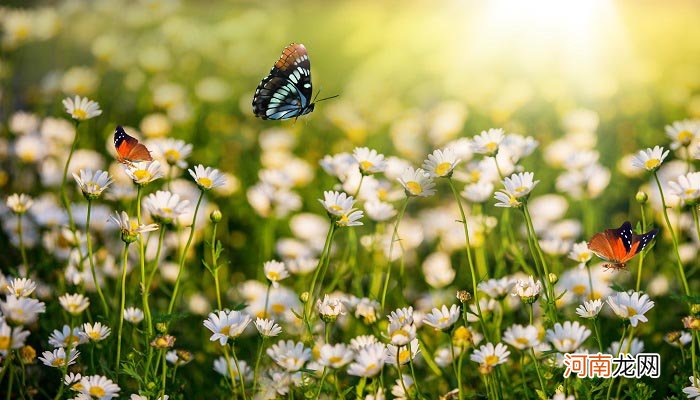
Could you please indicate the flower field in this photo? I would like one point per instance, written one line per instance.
(491, 200)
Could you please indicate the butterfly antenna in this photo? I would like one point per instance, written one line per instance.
(328, 98)
(317, 93)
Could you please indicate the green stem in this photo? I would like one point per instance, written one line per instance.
(619, 348)
(537, 369)
(641, 256)
(142, 261)
(257, 364)
(673, 237)
(547, 283)
(121, 305)
(240, 374)
(394, 238)
(163, 376)
(320, 385)
(22, 250)
(321, 260)
(215, 266)
(469, 258)
(184, 255)
(597, 334)
(154, 266)
(92, 262)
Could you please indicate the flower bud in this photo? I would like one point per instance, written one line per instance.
(27, 354)
(161, 327)
(691, 323)
(695, 310)
(553, 278)
(641, 197)
(215, 216)
(304, 297)
(463, 296)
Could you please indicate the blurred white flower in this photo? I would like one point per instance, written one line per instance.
(75, 303)
(682, 133)
(567, 338)
(590, 308)
(207, 178)
(442, 318)
(174, 151)
(488, 142)
(133, 315)
(289, 355)
(369, 160)
(81, 108)
(19, 203)
(165, 207)
(369, 361)
(521, 337)
(21, 310)
(275, 271)
(581, 253)
(335, 356)
(379, 211)
(687, 187)
(478, 192)
(267, 327)
(21, 287)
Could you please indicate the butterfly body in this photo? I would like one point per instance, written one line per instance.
(618, 246)
(286, 91)
(129, 150)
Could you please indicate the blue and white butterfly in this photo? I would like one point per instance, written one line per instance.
(286, 91)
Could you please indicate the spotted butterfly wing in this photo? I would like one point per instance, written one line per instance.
(617, 246)
(129, 149)
(286, 91)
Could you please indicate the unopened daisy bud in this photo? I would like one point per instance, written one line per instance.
(27, 354)
(641, 197)
(528, 290)
(462, 337)
(304, 297)
(463, 296)
(329, 308)
(673, 337)
(215, 216)
(695, 310)
(161, 327)
(553, 278)
(691, 323)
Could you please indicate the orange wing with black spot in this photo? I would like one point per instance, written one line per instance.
(128, 148)
(618, 246)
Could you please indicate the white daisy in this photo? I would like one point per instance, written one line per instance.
(58, 359)
(335, 356)
(350, 218)
(19, 203)
(488, 355)
(631, 306)
(527, 289)
(75, 303)
(402, 354)
(130, 229)
(92, 184)
(226, 324)
(267, 327)
(370, 161)
(369, 361)
(337, 203)
(650, 159)
(441, 163)
(520, 184)
(67, 337)
(589, 309)
(567, 338)
(497, 288)
(488, 142)
(144, 172)
(360, 342)
(166, 207)
(478, 192)
(81, 108)
(21, 287)
(521, 337)
(633, 348)
(692, 391)
(99, 387)
(687, 188)
(506, 200)
(289, 355)
(11, 338)
(96, 332)
(379, 211)
(21, 310)
(417, 182)
(581, 253)
(441, 319)
(682, 133)
(174, 151)
(330, 307)
(275, 271)
(133, 315)
(207, 178)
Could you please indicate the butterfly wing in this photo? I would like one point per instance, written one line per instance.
(640, 242)
(613, 245)
(129, 148)
(286, 91)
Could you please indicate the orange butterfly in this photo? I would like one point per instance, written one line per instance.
(129, 150)
(617, 246)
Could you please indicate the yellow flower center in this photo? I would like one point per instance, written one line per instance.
(225, 330)
(444, 319)
(79, 113)
(404, 355)
(579, 289)
(583, 257)
(273, 276)
(167, 210)
(399, 332)
(205, 182)
(344, 220)
(57, 362)
(4, 342)
(335, 359)
(631, 312)
(685, 137)
(277, 308)
(475, 175)
(77, 387)
(172, 155)
(414, 187)
(491, 359)
(523, 341)
(443, 168)
(72, 339)
(370, 367)
(366, 165)
(491, 146)
(97, 391)
(521, 189)
(142, 175)
(652, 163)
(94, 335)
